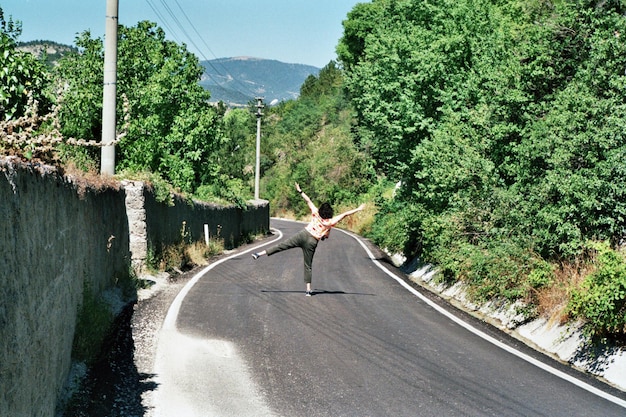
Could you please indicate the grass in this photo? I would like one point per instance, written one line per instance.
(182, 256)
(553, 299)
(92, 325)
(360, 222)
(199, 253)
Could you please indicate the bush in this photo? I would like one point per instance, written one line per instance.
(226, 191)
(601, 299)
(396, 228)
(503, 270)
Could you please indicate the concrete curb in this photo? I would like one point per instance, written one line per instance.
(564, 343)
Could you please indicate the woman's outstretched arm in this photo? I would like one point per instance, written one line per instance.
(343, 215)
(306, 198)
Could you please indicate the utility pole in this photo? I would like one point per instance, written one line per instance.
(107, 164)
(257, 175)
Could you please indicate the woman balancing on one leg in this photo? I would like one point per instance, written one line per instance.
(322, 221)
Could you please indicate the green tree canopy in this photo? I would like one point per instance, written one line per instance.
(309, 141)
(173, 129)
(508, 109)
(21, 74)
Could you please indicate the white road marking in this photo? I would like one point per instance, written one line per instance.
(488, 338)
(199, 377)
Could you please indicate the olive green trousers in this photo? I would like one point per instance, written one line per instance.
(307, 243)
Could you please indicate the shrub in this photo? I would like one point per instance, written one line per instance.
(601, 299)
(503, 270)
(225, 191)
(186, 253)
(554, 297)
(198, 253)
(396, 228)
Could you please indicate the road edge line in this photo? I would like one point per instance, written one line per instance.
(560, 374)
(172, 312)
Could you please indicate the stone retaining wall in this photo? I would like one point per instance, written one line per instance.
(53, 242)
(156, 225)
(58, 237)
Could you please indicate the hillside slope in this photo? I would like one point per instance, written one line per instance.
(238, 80)
(51, 50)
(235, 81)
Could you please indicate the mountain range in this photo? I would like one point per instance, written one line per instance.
(50, 50)
(237, 81)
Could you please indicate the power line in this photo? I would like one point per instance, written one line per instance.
(202, 39)
(246, 91)
(213, 54)
(163, 21)
(191, 39)
(194, 28)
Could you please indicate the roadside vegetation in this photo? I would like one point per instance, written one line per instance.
(488, 137)
(504, 124)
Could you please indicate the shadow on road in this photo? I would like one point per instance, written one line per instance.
(113, 385)
(318, 292)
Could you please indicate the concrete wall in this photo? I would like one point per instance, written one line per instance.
(155, 225)
(55, 238)
(52, 242)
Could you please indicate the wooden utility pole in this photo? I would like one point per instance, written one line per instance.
(107, 165)
(257, 174)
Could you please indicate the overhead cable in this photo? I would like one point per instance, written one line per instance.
(181, 28)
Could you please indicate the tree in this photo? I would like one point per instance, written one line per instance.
(237, 154)
(505, 123)
(309, 140)
(22, 76)
(173, 130)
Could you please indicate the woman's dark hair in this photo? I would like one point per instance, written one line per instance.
(326, 211)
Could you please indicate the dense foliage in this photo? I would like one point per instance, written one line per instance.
(505, 123)
(173, 130)
(502, 124)
(309, 141)
(22, 76)
(601, 299)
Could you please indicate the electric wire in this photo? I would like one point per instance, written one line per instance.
(171, 30)
(217, 60)
(181, 28)
(163, 21)
(171, 13)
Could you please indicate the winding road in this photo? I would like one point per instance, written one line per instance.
(241, 339)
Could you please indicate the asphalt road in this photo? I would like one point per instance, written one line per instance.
(242, 339)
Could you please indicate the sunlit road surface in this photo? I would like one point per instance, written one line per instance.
(242, 339)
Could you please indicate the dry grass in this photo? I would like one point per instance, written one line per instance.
(198, 253)
(285, 214)
(83, 182)
(183, 256)
(360, 222)
(90, 180)
(553, 299)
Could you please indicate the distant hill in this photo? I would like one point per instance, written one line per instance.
(236, 81)
(53, 51)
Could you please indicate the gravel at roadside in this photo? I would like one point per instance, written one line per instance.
(120, 383)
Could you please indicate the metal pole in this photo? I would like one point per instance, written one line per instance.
(110, 89)
(257, 174)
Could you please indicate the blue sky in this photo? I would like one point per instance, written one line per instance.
(292, 31)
